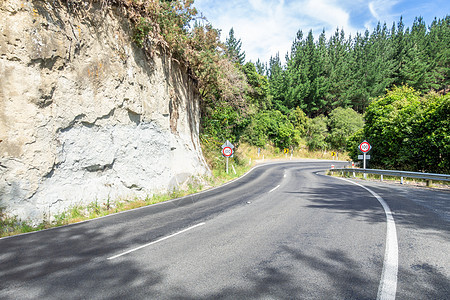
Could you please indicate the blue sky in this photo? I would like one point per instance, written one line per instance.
(267, 27)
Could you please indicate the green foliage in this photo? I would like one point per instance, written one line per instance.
(233, 49)
(317, 133)
(431, 134)
(342, 123)
(258, 93)
(353, 143)
(141, 31)
(300, 121)
(271, 127)
(351, 72)
(408, 132)
(224, 123)
(388, 127)
(277, 84)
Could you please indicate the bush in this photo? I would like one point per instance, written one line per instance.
(342, 124)
(407, 132)
(271, 127)
(317, 133)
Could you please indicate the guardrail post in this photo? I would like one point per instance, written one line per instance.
(381, 177)
(429, 182)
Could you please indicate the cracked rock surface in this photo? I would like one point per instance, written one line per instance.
(85, 115)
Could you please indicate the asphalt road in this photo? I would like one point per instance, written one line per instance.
(283, 231)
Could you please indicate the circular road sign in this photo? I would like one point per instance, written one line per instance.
(364, 147)
(227, 151)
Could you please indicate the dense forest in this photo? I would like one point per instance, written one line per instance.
(350, 72)
(388, 86)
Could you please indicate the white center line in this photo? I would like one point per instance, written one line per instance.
(154, 242)
(274, 189)
(388, 283)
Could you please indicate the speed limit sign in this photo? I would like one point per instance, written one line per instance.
(364, 147)
(227, 151)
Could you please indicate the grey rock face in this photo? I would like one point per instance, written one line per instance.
(85, 115)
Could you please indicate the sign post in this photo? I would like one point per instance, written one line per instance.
(227, 151)
(333, 154)
(364, 147)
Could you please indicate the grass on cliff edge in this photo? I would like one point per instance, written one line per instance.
(246, 157)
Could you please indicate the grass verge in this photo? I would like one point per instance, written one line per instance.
(393, 179)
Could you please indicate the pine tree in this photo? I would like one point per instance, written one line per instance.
(234, 51)
(416, 70)
(439, 53)
(258, 93)
(339, 70)
(297, 75)
(278, 85)
(358, 93)
(261, 68)
(399, 46)
(381, 63)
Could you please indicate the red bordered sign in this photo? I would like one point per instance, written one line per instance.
(227, 151)
(364, 147)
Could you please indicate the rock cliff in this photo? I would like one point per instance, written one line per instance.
(85, 115)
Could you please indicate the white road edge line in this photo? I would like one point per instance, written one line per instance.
(388, 283)
(274, 189)
(161, 203)
(154, 242)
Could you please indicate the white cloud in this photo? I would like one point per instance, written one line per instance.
(382, 11)
(327, 12)
(372, 10)
(267, 27)
(264, 26)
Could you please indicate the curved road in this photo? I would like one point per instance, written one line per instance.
(283, 231)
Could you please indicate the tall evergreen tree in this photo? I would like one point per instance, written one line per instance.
(297, 75)
(277, 81)
(261, 68)
(399, 46)
(439, 53)
(358, 93)
(258, 93)
(234, 46)
(320, 76)
(417, 63)
(339, 70)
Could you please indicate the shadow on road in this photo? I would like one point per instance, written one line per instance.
(68, 263)
(412, 207)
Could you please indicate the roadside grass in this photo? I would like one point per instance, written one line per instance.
(245, 158)
(270, 152)
(392, 179)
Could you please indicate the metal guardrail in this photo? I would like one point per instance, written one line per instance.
(425, 176)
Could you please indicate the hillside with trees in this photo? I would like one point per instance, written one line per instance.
(329, 93)
(350, 72)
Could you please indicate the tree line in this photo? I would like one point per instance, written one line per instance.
(320, 97)
(332, 94)
(350, 72)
